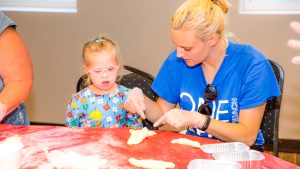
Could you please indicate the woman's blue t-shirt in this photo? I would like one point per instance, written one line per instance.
(244, 80)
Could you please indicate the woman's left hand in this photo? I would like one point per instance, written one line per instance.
(181, 118)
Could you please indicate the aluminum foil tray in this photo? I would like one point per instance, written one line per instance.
(225, 147)
(212, 164)
(250, 159)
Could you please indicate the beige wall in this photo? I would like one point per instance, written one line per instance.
(142, 30)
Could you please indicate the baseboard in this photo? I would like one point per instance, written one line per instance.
(285, 145)
(45, 124)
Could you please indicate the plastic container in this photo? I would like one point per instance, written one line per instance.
(248, 159)
(10, 154)
(212, 164)
(225, 147)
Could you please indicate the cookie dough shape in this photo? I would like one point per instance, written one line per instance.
(151, 164)
(137, 136)
(185, 141)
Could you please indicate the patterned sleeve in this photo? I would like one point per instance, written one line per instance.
(130, 120)
(72, 113)
(134, 120)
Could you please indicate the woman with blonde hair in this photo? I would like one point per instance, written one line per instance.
(220, 86)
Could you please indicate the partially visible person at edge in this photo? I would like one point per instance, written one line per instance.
(101, 104)
(237, 80)
(295, 44)
(16, 74)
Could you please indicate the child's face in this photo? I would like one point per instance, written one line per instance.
(102, 69)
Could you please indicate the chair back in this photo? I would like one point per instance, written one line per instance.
(270, 121)
(140, 79)
(135, 78)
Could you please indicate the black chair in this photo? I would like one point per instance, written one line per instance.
(135, 78)
(270, 121)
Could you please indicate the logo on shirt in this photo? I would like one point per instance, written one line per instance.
(223, 110)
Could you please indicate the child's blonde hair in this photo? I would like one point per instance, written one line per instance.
(100, 44)
(207, 17)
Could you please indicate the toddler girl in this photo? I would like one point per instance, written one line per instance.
(101, 104)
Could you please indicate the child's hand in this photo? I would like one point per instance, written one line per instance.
(2, 111)
(135, 102)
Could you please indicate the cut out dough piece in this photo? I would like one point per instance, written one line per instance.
(137, 136)
(186, 142)
(151, 164)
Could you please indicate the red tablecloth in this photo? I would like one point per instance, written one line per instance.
(111, 144)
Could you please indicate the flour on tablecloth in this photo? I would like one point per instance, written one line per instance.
(38, 144)
(108, 139)
(71, 143)
(70, 159)
(91, 155)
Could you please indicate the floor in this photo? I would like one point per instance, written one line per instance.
(290, 157)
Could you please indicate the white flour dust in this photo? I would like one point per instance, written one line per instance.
(65, 148)
(69, 159)
(91, 155)
(109, 139)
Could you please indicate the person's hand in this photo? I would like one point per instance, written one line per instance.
(181, 118)
(135, 102)
(295, 44)
(2, 111)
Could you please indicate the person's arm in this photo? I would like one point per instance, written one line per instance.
(138, 103)
(15, 69)
(245, 131)
(166, 85)
(154, 110)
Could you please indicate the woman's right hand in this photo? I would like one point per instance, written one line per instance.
(179, 118)
(135, 102)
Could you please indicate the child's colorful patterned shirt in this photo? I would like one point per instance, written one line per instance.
(86, 109)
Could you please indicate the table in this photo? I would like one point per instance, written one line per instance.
(111, 144)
